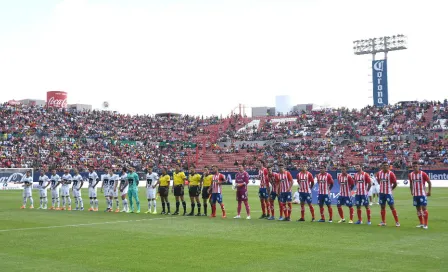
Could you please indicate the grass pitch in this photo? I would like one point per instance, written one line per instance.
(36, 240)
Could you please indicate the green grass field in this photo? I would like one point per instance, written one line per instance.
(36, 240)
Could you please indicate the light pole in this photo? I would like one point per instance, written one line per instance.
(379, 67)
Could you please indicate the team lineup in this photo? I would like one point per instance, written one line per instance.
(354, 191)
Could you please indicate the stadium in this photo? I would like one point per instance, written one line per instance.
(89, 184)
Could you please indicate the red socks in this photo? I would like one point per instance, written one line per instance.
(302, 211)
(425, 217)
(263, 207)
(322, 215)
(213, 209)
(341, 212)
(352, 212)
(223, 210)
(330, 211)
(359, 212)
(394, 212)
(238, 210)
(312, 211)
(289, 209)
(281, 209)
(368, 214)
(420, 217)
(271, 206)
(383, 216)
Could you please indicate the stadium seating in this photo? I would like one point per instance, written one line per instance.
(37, 137)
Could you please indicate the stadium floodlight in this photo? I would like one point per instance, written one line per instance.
(380, 45)
(384, 45)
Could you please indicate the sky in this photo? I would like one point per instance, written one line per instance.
(206, 57)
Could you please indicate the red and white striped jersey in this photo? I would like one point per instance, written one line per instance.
(216, 186)
(285, 180)
(418, 181)
(263, 176)
(304, 180)
(386, 179)
(276, 183)
(362, 181)
(345, 183)
(324, 181)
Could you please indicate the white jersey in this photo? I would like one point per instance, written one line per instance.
(43, 182)
(123, 179)
(77, 180)
(113, 180)
(28, 181)
(105, 180)
(54, 179)
(66, 179)
(92, 179)
(151, 179)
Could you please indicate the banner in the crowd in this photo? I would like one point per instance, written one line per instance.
(379, 79)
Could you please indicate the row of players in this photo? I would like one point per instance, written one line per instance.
(272, 186)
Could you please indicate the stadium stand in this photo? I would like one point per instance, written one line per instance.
(44, 137)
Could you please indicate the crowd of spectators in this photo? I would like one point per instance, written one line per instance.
(34, 137)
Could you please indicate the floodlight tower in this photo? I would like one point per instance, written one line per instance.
(379, 67)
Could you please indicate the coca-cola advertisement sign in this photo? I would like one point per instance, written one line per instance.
(8, 181)
(57, 99)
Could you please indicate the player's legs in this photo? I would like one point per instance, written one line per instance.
(198, 204)
(176, 197)
(124, 201)
(154, 205)
(223, 209)
(184, 204)
(330, 213)
(302, 210)
(238, 210)
(420, 215)
(263, 203)
(246, 204)
(391, 202)
(131, 200)
(425, 215)
(340, 211)
(193, 205)
(117, 203)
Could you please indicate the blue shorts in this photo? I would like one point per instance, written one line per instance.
(345, 200)
(420, 201)
(386, 198)
(361, 200)
(263, 193)
(323, 199)
(285, 197)
(216, 197)
(305, 197)
(273, 195)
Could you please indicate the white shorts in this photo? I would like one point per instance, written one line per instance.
(54, 193)
(65, 191)
(27, 192)
(109, 192)
(76, 193)
(43, 192)
(375, 189)
(150, 193)
(125, 191)
(92, 192)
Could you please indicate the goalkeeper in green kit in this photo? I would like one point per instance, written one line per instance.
(133, 189)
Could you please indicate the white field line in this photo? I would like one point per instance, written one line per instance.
(88, 224)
